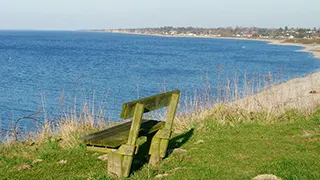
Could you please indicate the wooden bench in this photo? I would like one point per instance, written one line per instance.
(120, 141)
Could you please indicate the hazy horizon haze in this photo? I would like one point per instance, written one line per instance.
(99, 14)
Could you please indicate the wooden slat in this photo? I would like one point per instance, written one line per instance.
(117, 135)
(112, 130)
(98, 149)
(151, 103)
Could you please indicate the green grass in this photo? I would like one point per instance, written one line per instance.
(242, 151)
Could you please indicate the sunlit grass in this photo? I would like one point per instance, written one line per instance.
(241, 135)
(288, 150)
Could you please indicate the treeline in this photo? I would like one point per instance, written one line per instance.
(282, 32)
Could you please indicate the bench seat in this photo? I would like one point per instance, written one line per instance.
(117, 135)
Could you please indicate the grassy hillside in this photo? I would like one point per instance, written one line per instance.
(303, 41)
(288, 148)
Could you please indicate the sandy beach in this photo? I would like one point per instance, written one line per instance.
(301, 93)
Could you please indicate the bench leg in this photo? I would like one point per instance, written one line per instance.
(158, 148)
(154, 152)
(122, 158)
(126, 165)
(115, 164)
(120, 161)
(158, 151)
(163, 147)
(160, 141)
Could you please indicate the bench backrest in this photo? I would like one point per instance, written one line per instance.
(151, 103)
(136, 109)
(158, 147)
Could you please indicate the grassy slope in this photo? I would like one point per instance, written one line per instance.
(303, 41)
(288, 150)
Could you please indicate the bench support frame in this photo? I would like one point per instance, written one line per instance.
(160, 141)
(120, 159)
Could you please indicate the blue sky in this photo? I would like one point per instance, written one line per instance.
(109, 14)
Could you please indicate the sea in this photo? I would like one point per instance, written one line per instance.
(52, 74)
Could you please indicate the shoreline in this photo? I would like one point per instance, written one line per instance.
(314, 49)
(302, 93)
(311, 48)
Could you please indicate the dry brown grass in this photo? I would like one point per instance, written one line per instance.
(303, 41)
(226, 108)
(267, 106)
(66, 129)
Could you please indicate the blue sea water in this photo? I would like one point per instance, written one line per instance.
(55, 69)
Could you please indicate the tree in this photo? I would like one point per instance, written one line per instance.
(280, 29)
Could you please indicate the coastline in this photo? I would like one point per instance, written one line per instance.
(302, 93)
(311, 48)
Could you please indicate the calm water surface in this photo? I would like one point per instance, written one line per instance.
(52, 68)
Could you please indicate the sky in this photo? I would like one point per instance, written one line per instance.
(113, 14)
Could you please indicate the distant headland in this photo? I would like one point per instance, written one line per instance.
(300, 35)
(309, 38)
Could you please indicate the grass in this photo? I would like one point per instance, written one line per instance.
(289, 149)
(222, 140)
(303, 41)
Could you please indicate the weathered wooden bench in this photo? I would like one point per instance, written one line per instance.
(120, 141)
